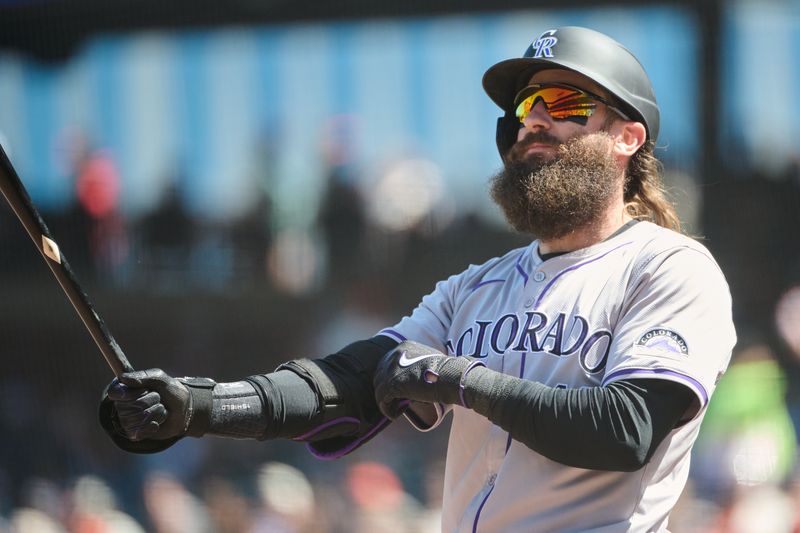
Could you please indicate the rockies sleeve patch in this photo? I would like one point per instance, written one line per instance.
(663, 341)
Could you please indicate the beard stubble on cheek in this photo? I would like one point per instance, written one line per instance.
(550, 197)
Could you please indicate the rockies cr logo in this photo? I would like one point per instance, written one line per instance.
(543, 46)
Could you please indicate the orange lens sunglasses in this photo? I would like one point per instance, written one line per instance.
(562, 101)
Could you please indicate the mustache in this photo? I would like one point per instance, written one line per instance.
(534, 137)
(538, 137)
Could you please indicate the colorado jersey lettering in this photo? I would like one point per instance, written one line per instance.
(647, 303)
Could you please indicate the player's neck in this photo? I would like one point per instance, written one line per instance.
(598, 231)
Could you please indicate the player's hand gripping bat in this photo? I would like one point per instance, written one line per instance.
(17, 197)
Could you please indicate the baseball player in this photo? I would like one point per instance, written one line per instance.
(578, 369)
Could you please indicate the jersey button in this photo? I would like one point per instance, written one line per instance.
(539, 276)
(529, 302)
(492, 479)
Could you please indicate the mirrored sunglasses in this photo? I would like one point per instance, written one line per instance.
(561, 100)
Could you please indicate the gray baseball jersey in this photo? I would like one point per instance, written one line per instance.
(647, 303)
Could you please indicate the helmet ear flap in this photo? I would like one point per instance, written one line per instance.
(507, 131)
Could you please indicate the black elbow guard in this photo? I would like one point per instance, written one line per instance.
(348, 415)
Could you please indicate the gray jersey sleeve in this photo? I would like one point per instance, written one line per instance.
(430, 321)
(676, 324)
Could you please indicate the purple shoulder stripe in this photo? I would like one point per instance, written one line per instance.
(689, 380)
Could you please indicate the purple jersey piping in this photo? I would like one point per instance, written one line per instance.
(488, 281)
(393, 333)
(480, 508)
(522, 364)
(382, 423)
(519, 267)
(574, 267)
(326, 425)
(661, 371)
(508, 445)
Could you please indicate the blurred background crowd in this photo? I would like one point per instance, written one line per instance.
(237, 187)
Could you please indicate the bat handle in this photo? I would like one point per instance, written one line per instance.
(101, 335)
(116, 359)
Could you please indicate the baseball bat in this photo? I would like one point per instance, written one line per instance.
(17, 197)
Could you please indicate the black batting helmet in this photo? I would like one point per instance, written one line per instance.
(588, 52)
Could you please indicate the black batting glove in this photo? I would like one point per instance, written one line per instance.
(415, 372)
(148, 410)
(139, 412)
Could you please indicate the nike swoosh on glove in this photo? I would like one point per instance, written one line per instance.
(413, 371)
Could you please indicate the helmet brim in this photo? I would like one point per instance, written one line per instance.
(505, 79)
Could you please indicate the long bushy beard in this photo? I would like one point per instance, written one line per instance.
(551, 197)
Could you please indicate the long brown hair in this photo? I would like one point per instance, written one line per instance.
(645, 196)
